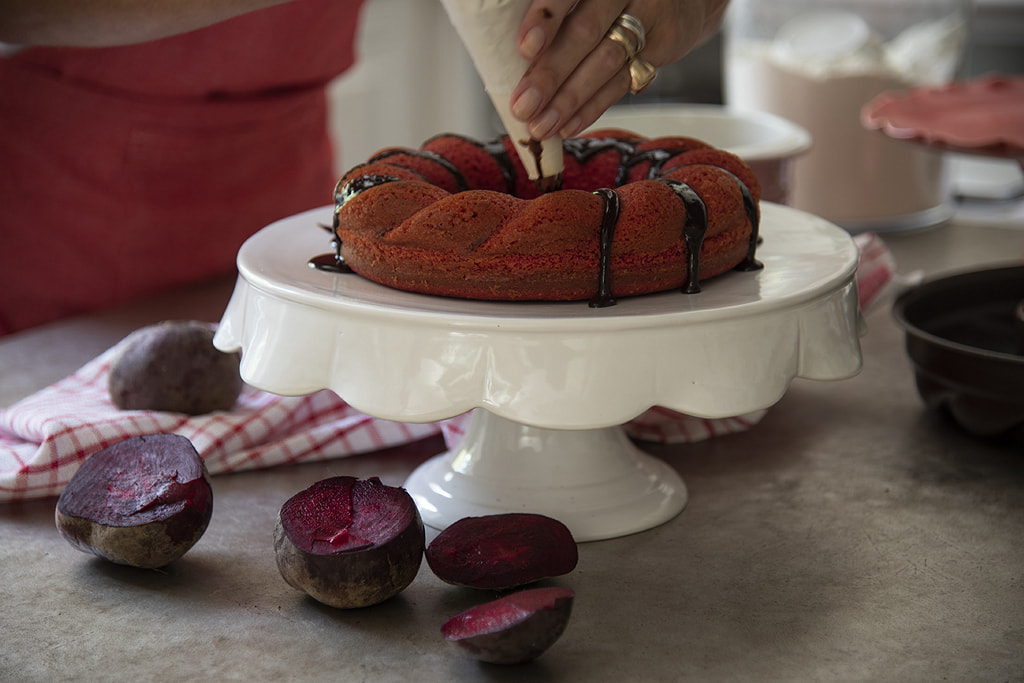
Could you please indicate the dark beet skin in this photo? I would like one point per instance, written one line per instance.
(173, 366)
(503, 551)
(349, 542)
(142, 502)
(514, 629)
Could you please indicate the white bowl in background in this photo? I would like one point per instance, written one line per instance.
(767, 143)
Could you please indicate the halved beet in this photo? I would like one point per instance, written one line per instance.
(349, 542)
(502, 551)
(513, 629)
(143, 501)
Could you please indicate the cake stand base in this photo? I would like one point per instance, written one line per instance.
(595, 481)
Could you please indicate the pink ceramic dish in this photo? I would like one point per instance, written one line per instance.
(982, 116)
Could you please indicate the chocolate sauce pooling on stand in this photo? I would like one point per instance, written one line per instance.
(582, 149)
(335, 263)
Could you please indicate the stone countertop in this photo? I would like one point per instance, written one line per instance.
(851, 535)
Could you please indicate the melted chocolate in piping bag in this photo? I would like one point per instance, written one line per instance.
(544, 184)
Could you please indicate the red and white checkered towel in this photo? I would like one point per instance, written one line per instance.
(45, 437)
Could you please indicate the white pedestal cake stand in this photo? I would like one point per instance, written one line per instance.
(549, 384)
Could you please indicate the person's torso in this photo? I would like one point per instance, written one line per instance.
(300, 43)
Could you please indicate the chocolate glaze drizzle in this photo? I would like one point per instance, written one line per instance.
(694, 229)
(496, 149)
(330, 263)
(608, 223)
(585, 149)
(460, 180)
(750, 262)
(582, 150)
(335, 263)
(343, 193)
(500, 155)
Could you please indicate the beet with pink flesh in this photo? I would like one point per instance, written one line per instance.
(349, 542)
(143, 501)
(502, 551)
(514, 629)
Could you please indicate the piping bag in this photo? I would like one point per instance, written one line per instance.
(488, 29)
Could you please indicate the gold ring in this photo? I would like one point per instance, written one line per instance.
(632, 24)
(641, 74)
(627, 39)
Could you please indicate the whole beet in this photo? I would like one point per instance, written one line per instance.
(173, 366)
(143, 502)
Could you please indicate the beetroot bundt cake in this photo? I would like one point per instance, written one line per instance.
(461, 218)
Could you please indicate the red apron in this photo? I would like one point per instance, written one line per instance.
(125, 171)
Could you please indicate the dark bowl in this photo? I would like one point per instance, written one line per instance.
(965, 337)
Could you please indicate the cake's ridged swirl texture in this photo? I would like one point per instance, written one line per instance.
(461, 218)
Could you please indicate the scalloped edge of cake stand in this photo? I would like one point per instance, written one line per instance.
(595, 481)
(558, 447)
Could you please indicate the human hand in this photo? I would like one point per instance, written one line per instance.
(577, 71)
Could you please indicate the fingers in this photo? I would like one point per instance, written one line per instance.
(586, 93)
(607, 95)
(577, 72)
(574, 64)
(540, 25)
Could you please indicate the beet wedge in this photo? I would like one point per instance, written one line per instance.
(502, 551)
(514, 629)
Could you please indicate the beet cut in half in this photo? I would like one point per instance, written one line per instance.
(514, 629)
(503, 551)
(349, 542)
(142, 502)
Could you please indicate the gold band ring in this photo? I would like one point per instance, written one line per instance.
(625, 38)
(632, 24)
(641, 74)
(628, 32)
